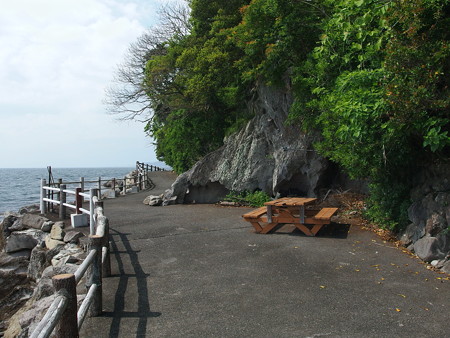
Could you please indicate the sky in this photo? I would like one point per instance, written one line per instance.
(57, 57)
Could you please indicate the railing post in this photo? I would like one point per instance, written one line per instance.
(91, 211)
(43, 204)
(82, 188)
(67, 326)
(99, 188)
(94, 275)
(114, 186)
(140, 182)
(62, 200)
(78, 200)
(124, 185)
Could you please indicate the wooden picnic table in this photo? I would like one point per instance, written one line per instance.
(290, 210)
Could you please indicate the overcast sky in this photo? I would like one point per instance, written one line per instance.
(56, 59)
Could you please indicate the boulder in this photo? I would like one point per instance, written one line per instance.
(51, 243)
(26, 239)
(44, 287)
(38, 261)
(7, 222)
(47, 226)
(446, 267)
(73, 237)
(153, 200)
(267, 154)
(33, 221)
(428, 249)
(57, 232)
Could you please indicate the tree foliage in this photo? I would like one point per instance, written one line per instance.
(372, 76)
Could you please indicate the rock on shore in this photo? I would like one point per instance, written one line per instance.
(33, 249)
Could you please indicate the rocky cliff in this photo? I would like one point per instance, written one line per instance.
(268, 154)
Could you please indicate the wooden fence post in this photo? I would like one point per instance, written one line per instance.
(78, 200)
(94, 275)
(67, 326)
(62, 200)
(82, 188)
(124, 185)
(43, 204)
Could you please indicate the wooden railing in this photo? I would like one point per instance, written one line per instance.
(62, 318)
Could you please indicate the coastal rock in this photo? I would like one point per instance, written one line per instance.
(33, 221)
(44, 287)
(266, 155)
(38, 261)
(7, 222)
(51, 243)
(47, 226)
(26, 239)
(57, 233)
(73, 237)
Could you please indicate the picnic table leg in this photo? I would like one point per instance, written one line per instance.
(257, 226)
(316, 228)
(304, 229)
(268, 227)
(269, 214)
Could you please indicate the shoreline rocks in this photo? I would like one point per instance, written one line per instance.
(32, 250)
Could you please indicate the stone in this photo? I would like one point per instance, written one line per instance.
(446, 267)
(18, 225)
(51, 243)
(57, 232)
(25, 253)
(33, 221)
(7, 222)
(428, 249)
(53, 252)
(47, 226)
(38, 261)
(26, 239)
(35, 313)
(73, 237)
(435, 224)
(44, 287)
(153, 200)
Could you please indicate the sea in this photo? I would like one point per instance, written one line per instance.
(21, 187)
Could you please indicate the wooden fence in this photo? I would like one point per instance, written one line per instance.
(62, 318)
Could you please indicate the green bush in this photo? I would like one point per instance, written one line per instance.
(253, 199)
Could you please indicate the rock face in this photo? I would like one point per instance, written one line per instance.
(429, 233)
(266, 155)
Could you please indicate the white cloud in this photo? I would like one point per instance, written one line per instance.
(56, 59)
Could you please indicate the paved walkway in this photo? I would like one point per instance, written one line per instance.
(200, 271)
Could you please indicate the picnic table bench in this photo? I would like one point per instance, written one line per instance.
(290, 210)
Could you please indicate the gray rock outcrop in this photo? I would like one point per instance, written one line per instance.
(428, 235)
(266, 155)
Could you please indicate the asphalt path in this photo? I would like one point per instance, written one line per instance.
(201, 271)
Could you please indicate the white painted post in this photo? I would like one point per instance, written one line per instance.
(91, 211)
(42, 202)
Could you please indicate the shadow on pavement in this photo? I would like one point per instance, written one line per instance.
(143, 306)
(333, 230)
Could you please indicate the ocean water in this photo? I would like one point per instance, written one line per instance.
(21, 187)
